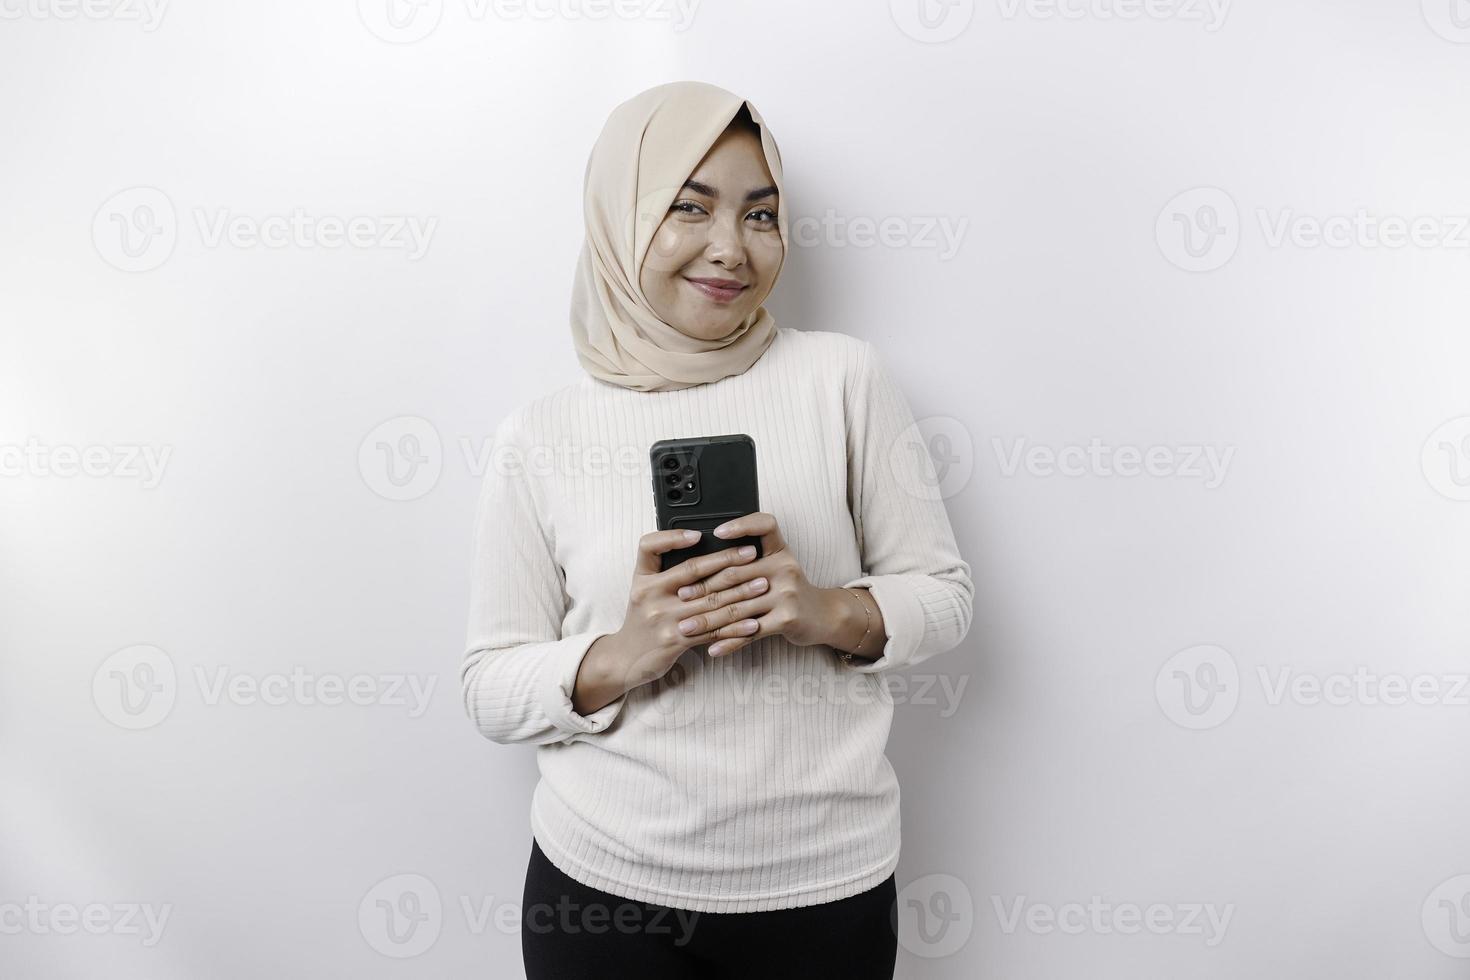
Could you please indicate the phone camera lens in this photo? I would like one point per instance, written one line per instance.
(675, 496)
(670, 463)
(672, 479)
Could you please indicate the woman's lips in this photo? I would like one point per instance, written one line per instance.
(720, 293)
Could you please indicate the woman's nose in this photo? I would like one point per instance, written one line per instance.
(725, 245)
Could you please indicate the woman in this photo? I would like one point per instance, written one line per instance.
(714, 796)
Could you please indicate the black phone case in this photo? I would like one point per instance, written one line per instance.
(726, 484)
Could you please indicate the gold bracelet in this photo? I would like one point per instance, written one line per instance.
(848, 657)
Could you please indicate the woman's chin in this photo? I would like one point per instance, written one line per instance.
(710, 328)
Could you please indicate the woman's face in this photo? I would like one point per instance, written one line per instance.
(715, 255)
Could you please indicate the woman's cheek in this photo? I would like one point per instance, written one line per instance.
(665, 251)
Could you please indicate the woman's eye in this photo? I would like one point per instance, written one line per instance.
(763, 216)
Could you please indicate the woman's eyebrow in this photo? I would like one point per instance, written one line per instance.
(708, 191)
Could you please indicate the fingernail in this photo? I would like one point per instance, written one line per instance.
(687, 626)
(758, 583)
(749, 626)
(722, 529)
(691, 535)
(713, 652)
(748, 551)
(687, 592)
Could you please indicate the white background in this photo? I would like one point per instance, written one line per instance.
(1080, 762)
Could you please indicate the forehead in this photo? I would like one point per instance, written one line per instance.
(738, 155)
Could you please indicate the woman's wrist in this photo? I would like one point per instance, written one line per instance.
(602, 678)
(857, 623)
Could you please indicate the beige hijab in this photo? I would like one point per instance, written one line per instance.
(648, 148)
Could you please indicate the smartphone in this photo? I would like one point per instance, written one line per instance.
(701, 483)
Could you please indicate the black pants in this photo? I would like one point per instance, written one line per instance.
(570, 931)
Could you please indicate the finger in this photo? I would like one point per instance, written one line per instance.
(735, 631)
(655, 543)
(715, 598)
(729, 577)
(703, 566)
(761, 525)
(701, 623)
(723, 581)
(725, 647)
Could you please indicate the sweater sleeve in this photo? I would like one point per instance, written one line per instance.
(519, 670)
(910, 561)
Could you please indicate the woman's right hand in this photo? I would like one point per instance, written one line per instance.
(651, 640)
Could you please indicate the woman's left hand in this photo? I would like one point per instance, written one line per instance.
(791, 606)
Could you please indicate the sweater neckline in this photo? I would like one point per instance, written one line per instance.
(589, 380)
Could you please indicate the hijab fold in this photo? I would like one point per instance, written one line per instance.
(648, 147)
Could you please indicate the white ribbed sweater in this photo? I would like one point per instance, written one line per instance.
(745, 783)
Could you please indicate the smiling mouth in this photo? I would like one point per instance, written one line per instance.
(718, 290)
